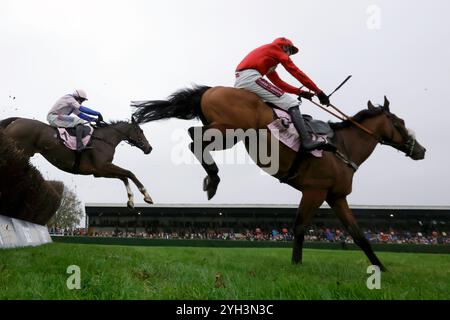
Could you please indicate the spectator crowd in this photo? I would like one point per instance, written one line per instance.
(284, 234)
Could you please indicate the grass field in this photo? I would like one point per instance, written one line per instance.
(124, 272)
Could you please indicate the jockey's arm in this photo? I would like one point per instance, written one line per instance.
(299, 75)
(86, 117)
(89, 111)
(276, 80)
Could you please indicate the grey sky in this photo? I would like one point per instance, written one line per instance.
(130, 50)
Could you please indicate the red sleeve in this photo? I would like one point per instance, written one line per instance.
(298, 74)
(276, 80)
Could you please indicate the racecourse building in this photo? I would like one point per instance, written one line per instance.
(175, 218)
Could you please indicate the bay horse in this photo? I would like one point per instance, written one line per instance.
(32, 136)
(319, 179)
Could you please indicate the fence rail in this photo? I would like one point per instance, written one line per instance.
(418, 248)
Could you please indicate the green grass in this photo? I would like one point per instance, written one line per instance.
(124, 272)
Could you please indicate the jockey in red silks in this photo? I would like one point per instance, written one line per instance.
(262, 62)
(61, 114)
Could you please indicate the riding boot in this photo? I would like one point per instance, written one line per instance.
(79, 131)
(306, 141)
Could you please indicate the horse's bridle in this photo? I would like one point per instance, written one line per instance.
(409, 141)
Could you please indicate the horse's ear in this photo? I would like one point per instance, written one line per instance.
(133, 120)
(370, 105)
(386, 104)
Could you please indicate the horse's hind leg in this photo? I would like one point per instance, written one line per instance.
(311, 201)
(198, 146)
(344, 213)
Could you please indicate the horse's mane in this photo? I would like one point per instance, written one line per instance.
(113, 122)
(104, 124)
(359, 117)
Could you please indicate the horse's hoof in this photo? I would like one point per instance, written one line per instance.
(210, 185)
(130, 204)
(296, 259)
(211, 193)
(148, 200)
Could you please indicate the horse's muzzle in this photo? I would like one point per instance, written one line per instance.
(148, 149)
(419, 155)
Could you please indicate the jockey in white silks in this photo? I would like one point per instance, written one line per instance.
(68, 112)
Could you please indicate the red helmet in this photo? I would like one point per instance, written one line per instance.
(283, 42)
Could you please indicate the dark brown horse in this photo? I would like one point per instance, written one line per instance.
(33, 136)
(319, 179)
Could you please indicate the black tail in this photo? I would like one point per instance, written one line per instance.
(7, 122)
(183, 104)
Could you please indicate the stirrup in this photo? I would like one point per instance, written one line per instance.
(324, 145)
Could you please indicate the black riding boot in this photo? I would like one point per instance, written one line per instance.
(307, 143)
(79, 132)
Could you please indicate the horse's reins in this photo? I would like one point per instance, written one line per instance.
(410, 142)
(128, 140)
(338, 153)
(343, 117)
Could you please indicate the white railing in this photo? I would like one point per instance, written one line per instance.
(18, 233)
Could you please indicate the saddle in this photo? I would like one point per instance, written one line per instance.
(73, 131)
(69, 136)
(318, 127)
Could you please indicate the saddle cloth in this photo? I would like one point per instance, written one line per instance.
(69, 138)
(289, 136)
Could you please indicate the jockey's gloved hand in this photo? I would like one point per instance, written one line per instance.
(306, 94)
(99, 118)
(323, 98)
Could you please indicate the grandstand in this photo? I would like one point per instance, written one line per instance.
(263, 222)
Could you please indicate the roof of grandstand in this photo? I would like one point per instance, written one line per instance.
(262, 206)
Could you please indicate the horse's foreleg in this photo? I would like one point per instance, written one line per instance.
(344, 213)
(311, 201)
(130, 194)
(111, 170)
(198, 146)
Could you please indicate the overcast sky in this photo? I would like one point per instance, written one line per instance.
(131, 50)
